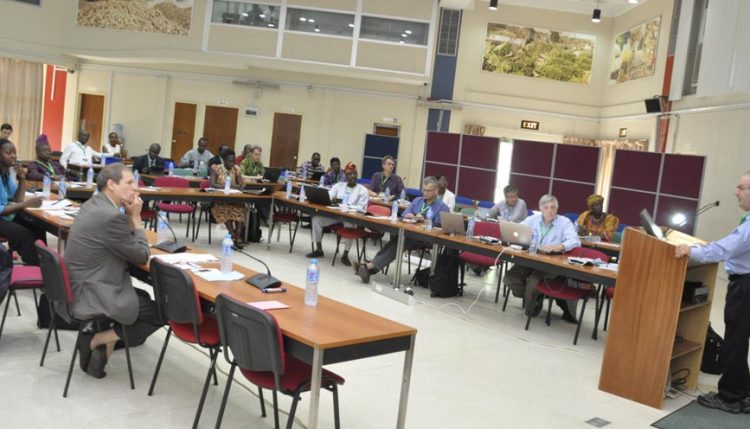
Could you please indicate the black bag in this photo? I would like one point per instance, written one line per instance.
(421, 277)
(711, 363)
(254, 234)
(44, 318)
(444, 283)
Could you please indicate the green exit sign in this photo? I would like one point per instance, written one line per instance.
(530, 125)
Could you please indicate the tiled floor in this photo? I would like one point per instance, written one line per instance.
(474, 370)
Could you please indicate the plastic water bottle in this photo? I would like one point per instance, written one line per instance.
(62, 188)
(323, 181)
(171, 168)
(137, 177)
(387, 194)
(394, 212)
(162, 228)
(302, 196)
(46, 187)
(403, 195)
(227, 184)
(90, 176)
(428, 220)
(196, 164)
(506, 214)
(470, 228)
(311, 283)
(226, 254)
(288, 186)
(102, 160)
(345, 199)
(534, 242)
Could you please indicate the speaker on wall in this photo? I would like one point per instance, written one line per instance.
(653, 105)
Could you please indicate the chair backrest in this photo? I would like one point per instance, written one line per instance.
(572, 216)
(586, 252)
(413, 191)
(171, 182)
(205, 184)
(252, 336)
(464, 201)
(55, 277)
(378, 210)
(485, 204)
(175, 294)
(363, 181)
(490, 229)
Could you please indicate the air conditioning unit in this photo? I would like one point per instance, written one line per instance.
(252, 112)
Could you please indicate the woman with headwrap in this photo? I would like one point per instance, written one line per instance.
(44, 166)
(595, 222)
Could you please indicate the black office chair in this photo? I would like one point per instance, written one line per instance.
(257, 347)
(179, 305)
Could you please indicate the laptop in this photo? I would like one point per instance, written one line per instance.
(272, 174)
(515, 233)
(317, 175)
(452, 223)
(317, 195)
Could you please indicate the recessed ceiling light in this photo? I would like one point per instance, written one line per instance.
(311, 20)
(596, 16)
(407, 31)
(633, 1)
(401, 42)
(270, 25)
(244, 14)
(262, 16)
(303, 19)
(351, 25)
(317, 30)
(404, 35)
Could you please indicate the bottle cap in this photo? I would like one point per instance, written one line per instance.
(314, 261)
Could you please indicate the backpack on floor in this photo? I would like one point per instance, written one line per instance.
(444, 283)
(254, 233)
(421, 277)
(711, 362)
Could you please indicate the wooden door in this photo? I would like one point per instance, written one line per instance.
(91, 118)
(386, 130)
(285, 140)
(183, 130)
(220, 127)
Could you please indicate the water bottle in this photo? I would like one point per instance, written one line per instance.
(403, 195)
(171, 169)
(46, 187)
(227, 183)
(226, 254)
(61, 188)
(196, 164)
(288, 187)
(534, 242)
(311, 283)
(428, 220)
(387, 194)
(394, 212)
(345, 199)
(302, 196)
(162, 228)
(506, 214)
(323, 181)
(137, 177)
(470, 228)
(102, 160)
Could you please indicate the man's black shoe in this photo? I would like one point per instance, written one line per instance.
(315, 254)
(537, 306)
(97, 362)
(713, 400)
(84, 350)
(745, 404)
(345, 261)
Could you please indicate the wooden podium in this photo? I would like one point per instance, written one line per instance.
(647, 316)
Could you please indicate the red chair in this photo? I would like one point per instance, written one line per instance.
(205, 210)
(284, 217)
(554, 289)
(257, 346)
(148, 216)
(23, 277)
(169, 207)
(179, 304)
(377, 210)
(355, 234)
(57, 289)
(489, 229)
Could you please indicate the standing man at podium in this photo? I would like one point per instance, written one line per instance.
(734, 250)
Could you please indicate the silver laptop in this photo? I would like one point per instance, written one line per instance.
(515, 233)
(452, 223)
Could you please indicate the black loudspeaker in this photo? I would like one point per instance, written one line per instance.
(653, 105)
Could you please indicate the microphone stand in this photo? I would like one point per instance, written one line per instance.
(261, 281)
(169, 246)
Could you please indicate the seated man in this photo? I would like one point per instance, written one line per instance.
(44, 166)
(386, 179)
(353, 195)
(417, 210)
(252, 164)
(512, 209)
(334, 174)
(246, 150)
(311, 166)
(195, 158)
(446, 196)
(106, 236)
(144, 163)
(79, 152)
(556, 233)
(595, 222)
(218, 158)
(113, 146)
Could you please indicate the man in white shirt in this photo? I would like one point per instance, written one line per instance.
(512, 209)
(196, 157)
(447, 197)
(348, 193)
(78, 152)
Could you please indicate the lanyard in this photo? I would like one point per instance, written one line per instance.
(546, 230)
(382, 181)
(424, 209)
(744, 218)
(336, 177)
(47, 166)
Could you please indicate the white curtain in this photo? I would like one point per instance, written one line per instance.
(21, 98)
(725, 58)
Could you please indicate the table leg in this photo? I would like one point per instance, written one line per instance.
(405, 381)
(399, 258)
(433, 258)
(317, 374)
(270, 219)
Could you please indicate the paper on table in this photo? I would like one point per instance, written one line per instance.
(213, 275)
(231, 191)
(268, 305)
(177, 258)
(379, 217)
(52, 205)
(60, 214)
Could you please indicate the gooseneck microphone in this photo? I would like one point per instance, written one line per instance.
(261, 281)
(169, 246)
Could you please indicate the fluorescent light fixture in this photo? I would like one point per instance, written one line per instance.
(633, 1)
(493, 4)
(262, 16)
(407, 31)
(303, 19)
(351, 25)
(317, 30)
(401, 42)
(270, 25)
(404, 35)
(597, 16)
(244, 14)
(310, 20)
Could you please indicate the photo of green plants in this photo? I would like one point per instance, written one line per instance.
(538, 52)
(634, 52)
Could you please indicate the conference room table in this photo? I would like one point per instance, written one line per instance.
(195, 181)
(329, 333)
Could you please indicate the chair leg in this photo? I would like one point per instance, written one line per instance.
(296, 226)
(336, 419)
(197, 226)
(548, 320)
(336, 253)
(606, 314)
(528, 319)
(216, 356)
(580, 321)
(15, 298)
(226, 395)
(505, 301)
(158, 363)
(211, 370)
(275, 410)
(499, 282)
(46, 341)
(5, 313)
(262, 402)
(73, 360)
(292, 411)
(127, 356)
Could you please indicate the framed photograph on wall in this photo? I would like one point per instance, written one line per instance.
(152, 16)
(634, 52)
(538, 53)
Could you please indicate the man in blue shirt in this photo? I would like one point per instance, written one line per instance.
(556, 234)
(417, 211)
(734, 250)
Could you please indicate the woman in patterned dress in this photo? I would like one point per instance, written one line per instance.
(230, 214)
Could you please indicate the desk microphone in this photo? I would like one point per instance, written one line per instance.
(261, 281)
(169, 246)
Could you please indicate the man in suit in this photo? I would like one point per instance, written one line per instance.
(108, 235)
(144, 163)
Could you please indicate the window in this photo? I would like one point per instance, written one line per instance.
(448, 34)
(241, 13)
(394, 30)
(695, 47)
(315, 21)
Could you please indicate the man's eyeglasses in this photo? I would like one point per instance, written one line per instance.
(742, 188)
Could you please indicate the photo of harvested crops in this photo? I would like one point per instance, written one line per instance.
(634, 52)
(153, 16)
